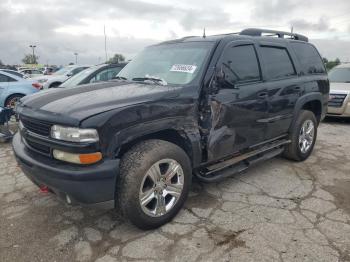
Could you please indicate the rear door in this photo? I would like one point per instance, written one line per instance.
(284, 87)
(238, 103)
(3, 86)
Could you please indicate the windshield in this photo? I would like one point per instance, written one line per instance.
(340, 75)
(63, 71)
(177, 64)
(75, 80)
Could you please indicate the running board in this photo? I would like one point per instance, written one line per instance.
(227, 168)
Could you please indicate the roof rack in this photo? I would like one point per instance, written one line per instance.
(279, 34)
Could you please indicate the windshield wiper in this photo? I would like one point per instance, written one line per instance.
(153, 79)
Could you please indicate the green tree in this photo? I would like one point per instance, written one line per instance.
(117, 58)
(30, 59)
(330, 64)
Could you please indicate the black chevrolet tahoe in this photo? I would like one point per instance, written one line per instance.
(207, 106)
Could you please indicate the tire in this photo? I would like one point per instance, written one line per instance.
(295, 150)
(12, 99)
(135, 181)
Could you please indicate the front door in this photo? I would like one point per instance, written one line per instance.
(238, 103)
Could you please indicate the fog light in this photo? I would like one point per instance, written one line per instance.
(90, 158)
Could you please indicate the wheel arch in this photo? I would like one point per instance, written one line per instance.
(312, 102)
(189, 142)
(12, 94)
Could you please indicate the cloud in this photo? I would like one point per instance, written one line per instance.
(321, 25)
(330, 48)
(270, 10)
(61, 27)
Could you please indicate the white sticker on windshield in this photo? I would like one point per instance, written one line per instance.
(183, 68)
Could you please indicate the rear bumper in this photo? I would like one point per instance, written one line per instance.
(85, 185)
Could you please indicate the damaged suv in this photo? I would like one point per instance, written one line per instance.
(206, 106)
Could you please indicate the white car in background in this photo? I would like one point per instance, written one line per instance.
(339, 93)
(57, 78)
(31, 72)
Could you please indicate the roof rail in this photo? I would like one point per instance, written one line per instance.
(279, 34)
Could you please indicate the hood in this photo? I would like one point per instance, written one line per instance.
(88, 100)
(342, 87)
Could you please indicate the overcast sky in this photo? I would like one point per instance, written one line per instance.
(61, 27)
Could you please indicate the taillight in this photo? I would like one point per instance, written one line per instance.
(37, 85)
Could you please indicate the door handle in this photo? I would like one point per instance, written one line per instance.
(262, 94)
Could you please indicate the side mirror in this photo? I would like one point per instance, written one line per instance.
(218, 80)
(224, 78)
(70, 74)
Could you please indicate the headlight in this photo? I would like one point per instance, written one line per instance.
(42, 80)
(73, 134)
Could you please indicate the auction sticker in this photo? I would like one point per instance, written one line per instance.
(183, 68)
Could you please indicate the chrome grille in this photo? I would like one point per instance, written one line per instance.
(336, 100)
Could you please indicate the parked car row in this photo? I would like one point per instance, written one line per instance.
(13, 88)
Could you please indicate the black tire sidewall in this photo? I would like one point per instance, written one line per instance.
(134, 166)
(304, 116)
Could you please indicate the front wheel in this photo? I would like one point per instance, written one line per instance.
(12, 100)
(154, 182)
(303, 137)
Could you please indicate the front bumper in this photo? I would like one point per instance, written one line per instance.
(85, 185)
(343, 110)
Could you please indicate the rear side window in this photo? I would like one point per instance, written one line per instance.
(78, 70)
(310, 60)
(277, 62)
(4, 78)
(240, 64)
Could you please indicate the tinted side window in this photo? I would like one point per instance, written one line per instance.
(310, 60)
(3, 78)
(10, 79)
(106, 74)
(240, 65)
(78, 70)
(277, 62)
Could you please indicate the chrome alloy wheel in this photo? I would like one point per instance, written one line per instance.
(306, 136)
(161, 187)
(13, 101)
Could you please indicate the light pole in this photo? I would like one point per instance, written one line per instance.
(76, 58)
(33, 56)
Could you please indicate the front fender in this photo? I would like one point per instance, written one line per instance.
(184, 127)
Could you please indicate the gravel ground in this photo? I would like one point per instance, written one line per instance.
(277, 211)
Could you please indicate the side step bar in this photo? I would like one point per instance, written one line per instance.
(224, 169)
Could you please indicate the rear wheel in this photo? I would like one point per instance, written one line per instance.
(12, 100)
(154, 182)
(303, 137)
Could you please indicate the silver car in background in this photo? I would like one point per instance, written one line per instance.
(57, 78)
(339, 94)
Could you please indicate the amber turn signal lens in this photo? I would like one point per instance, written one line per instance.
(90, 158)
(84, 159)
